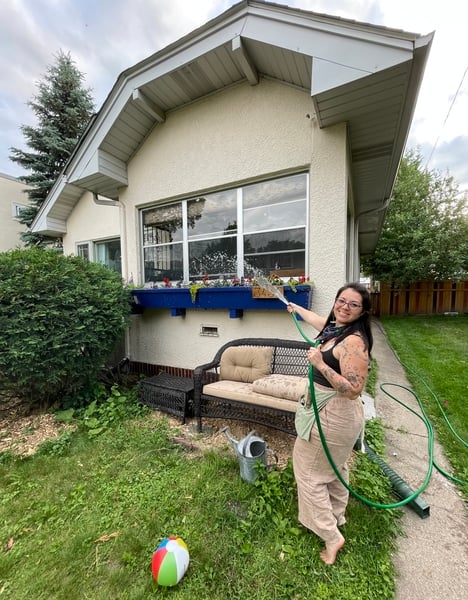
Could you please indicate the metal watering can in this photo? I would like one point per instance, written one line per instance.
(249, 451)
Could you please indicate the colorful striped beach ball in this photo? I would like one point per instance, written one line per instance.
(170, 561)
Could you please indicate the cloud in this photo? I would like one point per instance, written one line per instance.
(105, 37)
(455, 153)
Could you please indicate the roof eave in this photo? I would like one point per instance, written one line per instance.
(95, 168)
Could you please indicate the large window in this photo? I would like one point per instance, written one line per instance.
(237, 232)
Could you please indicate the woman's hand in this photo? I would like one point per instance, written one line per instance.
(354, 360)
(309, 316)
(314, 356)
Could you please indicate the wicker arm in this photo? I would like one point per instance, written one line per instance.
(202, 375)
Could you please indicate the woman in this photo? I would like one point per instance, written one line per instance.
(341, 363)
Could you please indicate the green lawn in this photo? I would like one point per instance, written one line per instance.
(434, 352)
(82, 517)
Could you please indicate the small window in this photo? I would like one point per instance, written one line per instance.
(83, 251)
(108, 253)
(16, 209)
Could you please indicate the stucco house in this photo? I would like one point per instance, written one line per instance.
(12, 199)
(269, 139)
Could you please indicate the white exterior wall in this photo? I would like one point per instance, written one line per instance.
(242, 134)
(328, 215)
(90, 222)
(11, 194)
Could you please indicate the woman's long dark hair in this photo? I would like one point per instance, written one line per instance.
(362, 324)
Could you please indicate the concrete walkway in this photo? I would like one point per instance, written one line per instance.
(432, 558)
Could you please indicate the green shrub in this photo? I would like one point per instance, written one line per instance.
(60, 317)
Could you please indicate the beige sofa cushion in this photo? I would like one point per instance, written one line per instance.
(243, 392)
(245, 363)
(289, 387)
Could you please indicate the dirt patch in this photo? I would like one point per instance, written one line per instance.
(21, 432)
(280, 444)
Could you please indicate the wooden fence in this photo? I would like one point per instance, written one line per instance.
(420, 298)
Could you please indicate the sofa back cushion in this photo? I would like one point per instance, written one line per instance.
(245, 363)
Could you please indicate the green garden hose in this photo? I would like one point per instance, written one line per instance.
(423, 417)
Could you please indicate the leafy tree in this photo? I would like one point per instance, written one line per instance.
(63, 109)
(60, 318)
(425, 233)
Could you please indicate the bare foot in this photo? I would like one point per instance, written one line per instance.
(331, 550)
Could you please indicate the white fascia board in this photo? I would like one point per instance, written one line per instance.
(136, 77)
(349, 52)
(185, 54)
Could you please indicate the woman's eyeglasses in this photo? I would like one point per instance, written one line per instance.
(352, 305)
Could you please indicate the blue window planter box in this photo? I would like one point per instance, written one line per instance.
(235, 299)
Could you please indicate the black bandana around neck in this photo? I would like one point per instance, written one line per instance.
(330, 331)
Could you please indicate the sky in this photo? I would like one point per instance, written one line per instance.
(105, 37)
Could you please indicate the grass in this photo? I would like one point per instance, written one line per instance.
(434, 353)
(81, 518)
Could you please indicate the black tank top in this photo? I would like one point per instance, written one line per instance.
(332, 362)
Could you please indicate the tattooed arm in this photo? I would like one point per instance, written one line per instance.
(354, 361)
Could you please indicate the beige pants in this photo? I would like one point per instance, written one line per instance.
(322, 498)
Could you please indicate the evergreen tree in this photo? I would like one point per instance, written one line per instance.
(63, 109)
(425, 233)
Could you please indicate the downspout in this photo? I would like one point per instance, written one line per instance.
(123, 247)
(400, 488)
(373, 210)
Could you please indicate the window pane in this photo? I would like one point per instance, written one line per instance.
(212, 215)
(214, 258)
(163, 262)
(108, 253)
(275, 204)
(275, 250)
(162, 225)
(277, 190)
(83, 251)
(263, 218)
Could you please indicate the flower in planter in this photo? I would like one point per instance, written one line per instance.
(206, 282)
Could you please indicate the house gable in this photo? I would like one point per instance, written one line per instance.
(359, 74)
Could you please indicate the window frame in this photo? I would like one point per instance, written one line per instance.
(92, 250)
(239, 235)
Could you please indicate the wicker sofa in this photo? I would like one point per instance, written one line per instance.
(258, 380)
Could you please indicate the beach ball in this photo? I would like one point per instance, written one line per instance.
(170, 561)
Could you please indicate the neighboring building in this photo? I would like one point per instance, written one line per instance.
(269, 138)
(12, 199)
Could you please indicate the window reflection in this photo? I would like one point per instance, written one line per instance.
(270, 235)
(212, 215)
